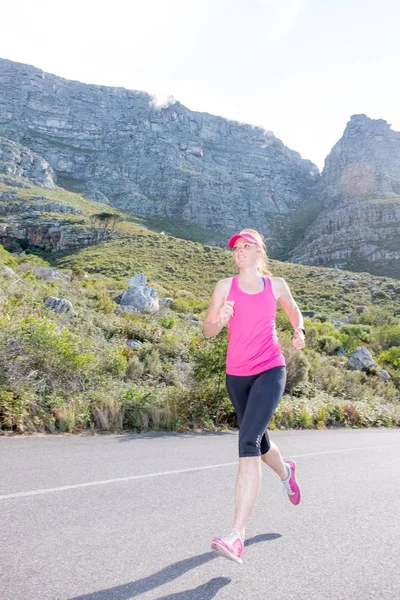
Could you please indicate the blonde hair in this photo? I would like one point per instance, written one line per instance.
(262, 266)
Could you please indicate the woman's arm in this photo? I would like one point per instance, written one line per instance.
(219, 311)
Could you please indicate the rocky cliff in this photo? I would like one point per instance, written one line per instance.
(28, 219)
(169, 162)
(19, 161)
(359, 227)
(166, 162)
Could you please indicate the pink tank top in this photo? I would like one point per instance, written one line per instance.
(253, 345)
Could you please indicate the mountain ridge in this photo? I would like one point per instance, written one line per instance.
(185, 168)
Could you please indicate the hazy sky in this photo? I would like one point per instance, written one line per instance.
(299, 68)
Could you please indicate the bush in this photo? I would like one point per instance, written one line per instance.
(168, 322)
(38, 350)
(390, 357)
(114, 363)
(20, 412)
(135, 369)
(188, 305)
(14, 411)
(104, 303)
(72, 416)
(153, 365)
(169, 345)
(353, 336)
(208, 406)
(328, 344)
(388, 335)
(106, 412)
(146, 410)
(327, 378)
(297, 367)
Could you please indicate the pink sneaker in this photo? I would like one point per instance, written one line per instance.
(230, 547)
(290, 486)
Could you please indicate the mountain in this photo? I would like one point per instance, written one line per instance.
(167, 162)
(201, 177)
(359, 188)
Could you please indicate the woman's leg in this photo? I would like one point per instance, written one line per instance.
(248, 478)
(271, 456)
(248, 481)
(273, 459)
(264, 395)
(254, 399)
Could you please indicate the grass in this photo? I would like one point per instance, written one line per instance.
(174, 263)
(74, 373)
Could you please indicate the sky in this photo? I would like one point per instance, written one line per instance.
(298, 68)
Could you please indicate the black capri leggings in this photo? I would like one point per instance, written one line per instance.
(255, 398)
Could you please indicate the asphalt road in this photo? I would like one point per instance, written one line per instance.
(119, 517)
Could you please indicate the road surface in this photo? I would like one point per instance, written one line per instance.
(112, 517)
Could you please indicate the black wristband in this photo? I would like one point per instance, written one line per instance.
(301, 329)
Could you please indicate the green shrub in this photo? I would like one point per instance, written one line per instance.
(209, 360)
(146, 410)
(72, 416)
(104, 303)
(305, 418)
(327, 378)
(188, 305)
(353, 336)
(114, 363)
(170, 345)
(168, 322)
(40, 350)
(297, 367)
(14, 411)
(153, 365)
(390, 357)
(135, 369)
(207, 405)
(328, 344)
(106, 412)
(388, 335)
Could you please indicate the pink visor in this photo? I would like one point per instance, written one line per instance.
(246, 236)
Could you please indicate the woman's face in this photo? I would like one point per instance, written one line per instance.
(246, 253)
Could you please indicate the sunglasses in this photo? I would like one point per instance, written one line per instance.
(243, 247)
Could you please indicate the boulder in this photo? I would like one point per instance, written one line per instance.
(384, 375)
(59, 305)
(134, 344)
(140, 298)
(166, 301)
(361, 359)
(48, 274)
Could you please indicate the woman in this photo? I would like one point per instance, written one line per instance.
(255, 372)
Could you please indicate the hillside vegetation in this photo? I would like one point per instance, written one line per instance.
(65, 372)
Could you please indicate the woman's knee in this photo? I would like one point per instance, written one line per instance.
(249, 464)
(249, 446)
(253, 444)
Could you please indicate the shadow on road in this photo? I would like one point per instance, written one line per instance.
(135, 588)
(205, 592)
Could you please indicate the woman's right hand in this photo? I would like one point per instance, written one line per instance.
(226, 312)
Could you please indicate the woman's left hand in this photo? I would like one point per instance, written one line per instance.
(299, 340)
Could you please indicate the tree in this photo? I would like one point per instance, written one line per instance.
(104, 222)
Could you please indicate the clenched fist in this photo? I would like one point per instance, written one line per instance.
(226, 312)
(299, 340)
